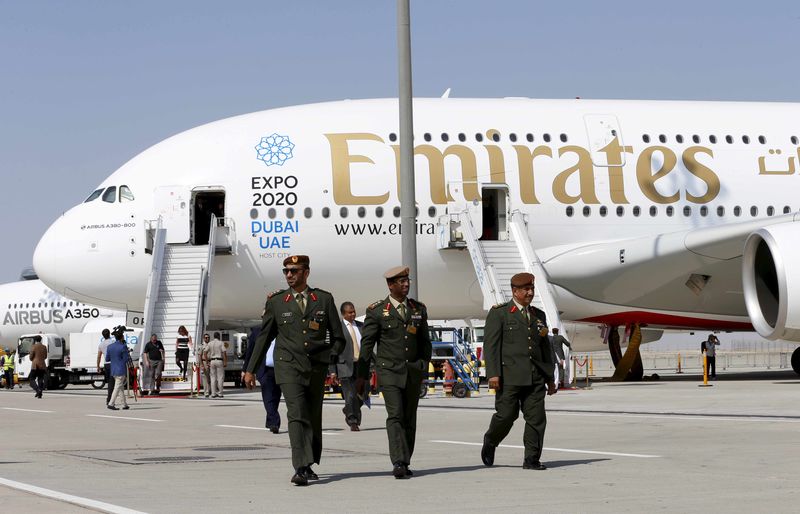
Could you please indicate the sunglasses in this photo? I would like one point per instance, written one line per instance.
(289, 271)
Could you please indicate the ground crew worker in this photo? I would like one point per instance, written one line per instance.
(400, 327)
(8, 369)
(300, 317)
(519, 365)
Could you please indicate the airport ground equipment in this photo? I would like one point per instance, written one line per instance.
(448, 346)
(70, 360)
(178, 293)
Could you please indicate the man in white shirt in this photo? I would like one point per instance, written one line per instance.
(344, 368)
(101, 352)
(218, 360)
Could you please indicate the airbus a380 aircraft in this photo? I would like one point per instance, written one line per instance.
(670, 214)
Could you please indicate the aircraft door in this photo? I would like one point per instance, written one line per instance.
(602, 130)
(494, 209)
(173, 205)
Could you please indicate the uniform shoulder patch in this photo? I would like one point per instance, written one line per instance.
(318, 290)
(373, 305)
(276, 292)
(498, 306)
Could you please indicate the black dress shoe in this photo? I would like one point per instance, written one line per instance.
(487, 453)
(533, 464)
(354, 428)
(400, 470)
(310, 473)
(409, 472)
(299, 477)
(111, 407)
(274, 430)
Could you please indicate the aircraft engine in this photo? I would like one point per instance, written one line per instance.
(771, 281)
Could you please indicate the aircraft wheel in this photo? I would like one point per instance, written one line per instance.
(796, 360)
(98, 384)
(423, 390)
(460, 390)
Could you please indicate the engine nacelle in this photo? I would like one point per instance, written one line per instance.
(771, 281)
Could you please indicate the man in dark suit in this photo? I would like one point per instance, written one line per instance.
(344, 369)
(299, 320)
(399, 325)
(270, 390)
(519, 364)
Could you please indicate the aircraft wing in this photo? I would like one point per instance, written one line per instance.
(698, 270)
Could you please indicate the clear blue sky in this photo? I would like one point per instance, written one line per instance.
(86, 85)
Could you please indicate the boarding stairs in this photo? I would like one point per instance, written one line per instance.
(451, 347)
(178, 294)
(496, 261)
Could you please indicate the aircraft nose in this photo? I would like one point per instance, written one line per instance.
(45, 257)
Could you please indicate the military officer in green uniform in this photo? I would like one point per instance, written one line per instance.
(399, 325)
(519, 365)
(298, 319)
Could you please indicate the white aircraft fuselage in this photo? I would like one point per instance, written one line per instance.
(616, 194)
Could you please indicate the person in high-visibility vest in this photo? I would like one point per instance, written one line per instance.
(8, 369)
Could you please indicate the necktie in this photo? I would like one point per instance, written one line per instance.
(301, 302)
(355, 340)
(527, 315)
(401, 308)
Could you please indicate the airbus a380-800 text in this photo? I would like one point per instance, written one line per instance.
(667, 214)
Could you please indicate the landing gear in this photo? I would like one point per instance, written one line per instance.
(629, 367)
(796, 360)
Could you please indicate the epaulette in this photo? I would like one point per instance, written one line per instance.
(372, 306)
(498, 305)
(277, 291)
(318, 289)
(417, 302)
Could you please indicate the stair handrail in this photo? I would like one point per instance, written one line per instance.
(229, 224)
(159, 235)
(534, 265)
(204, 291)
(483, 271)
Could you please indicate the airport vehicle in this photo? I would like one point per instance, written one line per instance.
(665, 215)
(71, 359)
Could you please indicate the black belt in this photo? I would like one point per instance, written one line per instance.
(216, 358)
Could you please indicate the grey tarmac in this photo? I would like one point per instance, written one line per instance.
(662, 446)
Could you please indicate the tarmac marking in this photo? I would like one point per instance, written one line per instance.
(68, 498)
(569, 450)
(28, 410)
(124, 417)
(260, 428)
(681, 417)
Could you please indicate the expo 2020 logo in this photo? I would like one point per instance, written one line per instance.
(274, 149)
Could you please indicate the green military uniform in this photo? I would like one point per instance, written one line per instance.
(302, 355)
(401, 361)
(517, 350)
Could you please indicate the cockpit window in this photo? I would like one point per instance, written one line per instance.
(125, 194)
(93, 196)
(110, 195)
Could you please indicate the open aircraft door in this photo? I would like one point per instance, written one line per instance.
(173, 205)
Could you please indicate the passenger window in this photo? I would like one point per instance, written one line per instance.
(570, 211)
(125, 194)
(662, 138)
(462, 137)
(670, 211)
(753, 211)
(393, 137)
(307, 212)
(696, 138)
(379, 212)
(512, 137)
(326, 212)
(770, 210)
(563, 138)
(479, 137)
(653, 210)
(712, 139)
(396, 212)
(645, 138)
(795, 140)
(729, 140)
(529, 137)
(704, 211)
(720, 211)
(495, 137)
(679, 138)
(546, 138)
(361, 212)
(787, 209)
(737, 211)
(427, 137)
(762, 140)
(272, 213)
(603, 211)
(110, 195)
(687, 211)
(289, 212)
(445, 137)
(343, 212)
(93, 196)
(432, 211)
(637, 210)
(620, 210)
(587, 211)
(746, 140)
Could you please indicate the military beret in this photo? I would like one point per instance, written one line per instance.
(302, 260)
(396, 272)
(522, 280)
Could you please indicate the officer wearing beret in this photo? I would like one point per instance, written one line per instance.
(298, 319)
(519, 365)
(399, 325)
